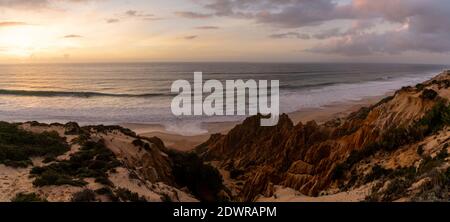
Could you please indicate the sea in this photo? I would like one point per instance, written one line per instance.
(140, 93)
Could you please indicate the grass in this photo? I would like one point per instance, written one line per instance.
(17, 146)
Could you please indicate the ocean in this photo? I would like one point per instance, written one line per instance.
(119, 93)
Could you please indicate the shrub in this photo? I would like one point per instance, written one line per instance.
(128, 196)
(165, 198)
(420, 150)
(138, 143)
(204, 181)
(85, 195)
(51, 177)
(104, 181)
(420, 86)
(396, 188)
(429, 94)
(433, 121)
(93, 160)
(376, 173)
(28, 197)
(17, 146)
(106, 191)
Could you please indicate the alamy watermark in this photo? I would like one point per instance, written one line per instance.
(238, 97)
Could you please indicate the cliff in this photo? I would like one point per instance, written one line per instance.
(369, 148)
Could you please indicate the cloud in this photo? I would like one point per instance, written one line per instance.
(72, 36)
(7, 24)
(133, 14)
(290, 35)
(329, 33)
(207, 27)
(190, 37)
(424, 27)
(34, 4)
(193, 15)
(411, 25)
(23, 3)
(112, 20)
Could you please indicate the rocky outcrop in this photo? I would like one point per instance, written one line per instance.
(308, 157)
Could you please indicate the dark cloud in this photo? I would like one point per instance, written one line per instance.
(193, 15)
(290, 35)
(329, 33)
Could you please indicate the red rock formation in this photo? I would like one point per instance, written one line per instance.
(304, 156)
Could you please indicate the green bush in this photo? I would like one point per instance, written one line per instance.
(94, 160)
(420, 86)
(17, 146)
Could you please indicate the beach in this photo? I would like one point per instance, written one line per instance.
(188, 143)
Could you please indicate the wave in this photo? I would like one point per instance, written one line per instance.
(73, 94)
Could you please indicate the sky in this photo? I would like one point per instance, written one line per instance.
(400, 31)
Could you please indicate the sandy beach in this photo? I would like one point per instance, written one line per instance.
(186, 143)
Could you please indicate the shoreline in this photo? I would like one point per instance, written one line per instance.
(187, 143)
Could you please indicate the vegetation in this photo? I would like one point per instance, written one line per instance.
(204, 181)
(420, 150)
(93, 160)
(433, 121)
(420, 87)
(28, 197)
(17, 146)
(141, 144)
(128, 196)
(429, 94)
(85, 195)
(401, 179)
(106, 191)
(109, 129)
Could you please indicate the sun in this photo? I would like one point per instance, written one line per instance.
(19, 42)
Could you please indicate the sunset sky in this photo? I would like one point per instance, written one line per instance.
(412, 31)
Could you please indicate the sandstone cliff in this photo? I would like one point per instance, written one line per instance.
(373, 147)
